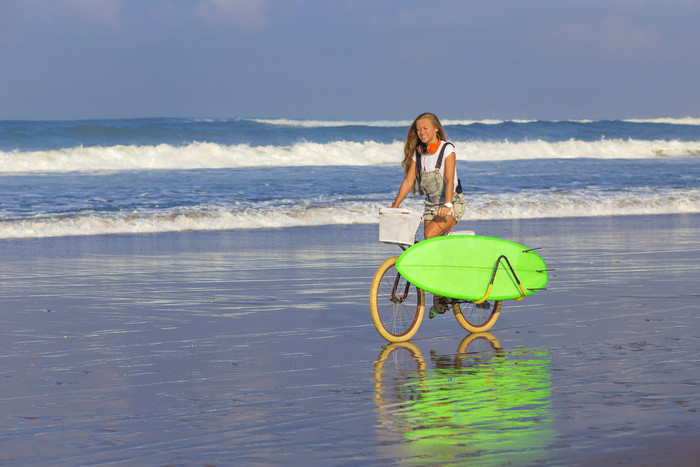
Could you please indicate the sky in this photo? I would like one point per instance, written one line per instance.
(349, 59)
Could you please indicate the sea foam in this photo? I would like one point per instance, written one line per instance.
(451, 122)
(522, 205)
(200, 155)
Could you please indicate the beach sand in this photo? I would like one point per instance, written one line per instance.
(256, 348)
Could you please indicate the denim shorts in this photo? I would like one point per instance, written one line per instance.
(458, 202)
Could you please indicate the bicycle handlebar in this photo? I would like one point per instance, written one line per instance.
(434, 211)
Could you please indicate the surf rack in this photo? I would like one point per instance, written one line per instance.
(512, 271)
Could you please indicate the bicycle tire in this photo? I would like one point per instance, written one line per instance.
(477, 318)
(395, 305)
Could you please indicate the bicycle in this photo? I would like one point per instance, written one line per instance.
(396, 306)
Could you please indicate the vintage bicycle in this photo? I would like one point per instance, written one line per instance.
(397, 306)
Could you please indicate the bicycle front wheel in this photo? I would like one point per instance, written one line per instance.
(396, 305)
(477, 317)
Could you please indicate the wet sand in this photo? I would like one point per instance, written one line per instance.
(256, 348)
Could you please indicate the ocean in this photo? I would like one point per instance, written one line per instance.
(97, 177)
(227, 339)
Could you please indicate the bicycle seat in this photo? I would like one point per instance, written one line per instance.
(461, 232)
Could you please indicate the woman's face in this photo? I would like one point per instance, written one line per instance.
(426, 130)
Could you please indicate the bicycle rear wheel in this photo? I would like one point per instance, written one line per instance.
(477, 317)
(396, 305)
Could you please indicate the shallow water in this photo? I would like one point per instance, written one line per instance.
(256, 347)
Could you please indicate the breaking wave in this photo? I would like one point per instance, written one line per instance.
(522, 205)
(202, 155)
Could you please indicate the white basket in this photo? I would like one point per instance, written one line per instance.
(398, 226)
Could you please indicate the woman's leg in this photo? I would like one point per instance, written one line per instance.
(438, 226)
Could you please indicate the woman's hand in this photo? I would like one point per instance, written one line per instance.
(446, 210)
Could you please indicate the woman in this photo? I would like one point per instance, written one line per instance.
(430, 167)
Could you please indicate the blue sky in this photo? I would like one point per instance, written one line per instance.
(349, 59)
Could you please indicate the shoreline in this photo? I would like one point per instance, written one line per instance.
(586, 221)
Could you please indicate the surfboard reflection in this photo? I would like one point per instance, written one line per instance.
(480, 402)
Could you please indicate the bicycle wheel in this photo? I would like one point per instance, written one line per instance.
(396, 305)
(477, 317)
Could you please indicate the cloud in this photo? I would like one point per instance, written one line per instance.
(245, 14)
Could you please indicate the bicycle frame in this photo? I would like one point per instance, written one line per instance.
(396, 285)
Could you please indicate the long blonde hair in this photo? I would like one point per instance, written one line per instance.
(412, 140)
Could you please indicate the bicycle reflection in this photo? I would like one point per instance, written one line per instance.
(479, 402)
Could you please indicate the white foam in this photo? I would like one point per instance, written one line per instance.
(523, 205)
(584, 203)
(666, 120)
(449, 122)
(377, 123)
(213, 156)
(574, 149)
(195, 219)
(330, 123)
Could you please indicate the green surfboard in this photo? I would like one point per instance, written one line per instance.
(462, 266)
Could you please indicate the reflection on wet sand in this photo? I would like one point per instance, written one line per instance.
(482, 404)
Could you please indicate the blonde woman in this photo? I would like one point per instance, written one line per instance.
(430, 167)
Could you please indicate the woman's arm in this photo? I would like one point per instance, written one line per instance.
(450, 164)
(406, 185)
